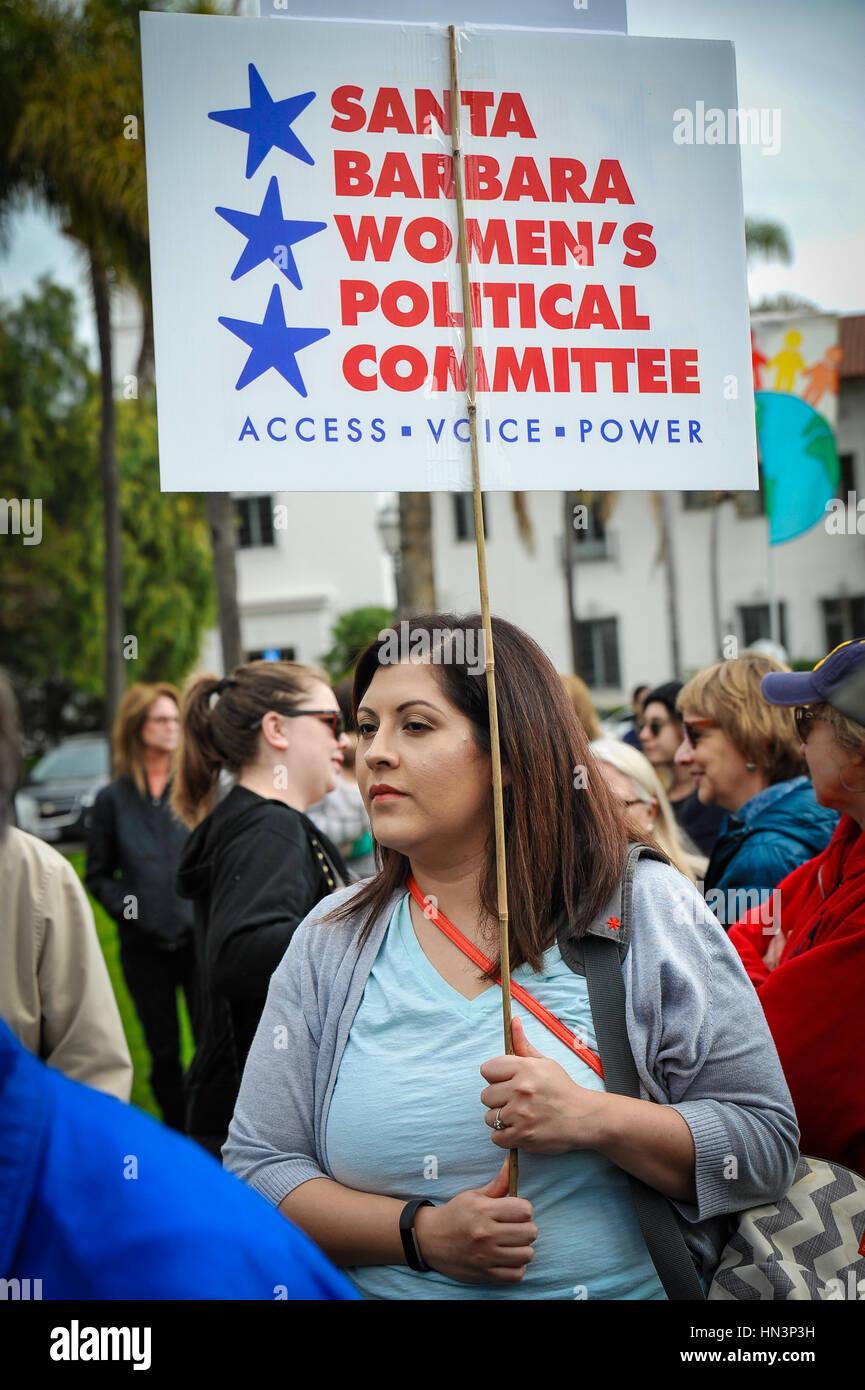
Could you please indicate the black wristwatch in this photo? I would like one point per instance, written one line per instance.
(413, 1257)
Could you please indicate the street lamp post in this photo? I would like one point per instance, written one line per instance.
(387, 523)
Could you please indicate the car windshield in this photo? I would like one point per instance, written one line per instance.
(72, 760)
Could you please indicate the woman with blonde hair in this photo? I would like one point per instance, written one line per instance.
(580, 697)
(133, 852)
(255, 865)
(745, 756)
(632, 779)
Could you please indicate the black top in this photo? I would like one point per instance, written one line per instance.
(253, 869)
(699, 821)
(133, 851)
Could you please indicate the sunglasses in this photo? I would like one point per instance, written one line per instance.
(654, 726)
(804, 718)
(333, 717)
(694, 729)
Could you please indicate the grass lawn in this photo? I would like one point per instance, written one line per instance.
(110, 943)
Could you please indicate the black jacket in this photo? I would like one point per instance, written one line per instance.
(700, 822)
(139, 838)
(253, 869)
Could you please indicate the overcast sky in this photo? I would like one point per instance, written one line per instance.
(804, 57)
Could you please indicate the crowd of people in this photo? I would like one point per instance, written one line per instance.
(315, 870)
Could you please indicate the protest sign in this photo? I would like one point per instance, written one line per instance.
(796, 360)
(602, 16)
(307, 298)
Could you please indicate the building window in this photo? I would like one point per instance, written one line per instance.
(464, 515)
(597, 643)
(846, 480)
(752, 503)
(755, 625)
(273, 654)
(591, 539)
(697, 501)
(254, 521)
(843, 619)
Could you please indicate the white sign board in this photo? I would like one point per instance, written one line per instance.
(601, 16)
(307, 299)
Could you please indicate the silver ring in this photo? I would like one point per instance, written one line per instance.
(497, 1122)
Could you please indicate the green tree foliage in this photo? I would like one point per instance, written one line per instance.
(350, 633)
(52, 608)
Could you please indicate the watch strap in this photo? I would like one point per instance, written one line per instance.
(413, 1257)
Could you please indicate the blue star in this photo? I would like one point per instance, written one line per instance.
(268, 236)
(273, 344)
(266, 122)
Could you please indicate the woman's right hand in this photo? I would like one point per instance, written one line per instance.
(482, 1236)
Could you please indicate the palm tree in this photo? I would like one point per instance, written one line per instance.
(767, 239)
(69, 83)
(62, 145)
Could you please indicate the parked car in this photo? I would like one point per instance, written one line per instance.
(56, 800)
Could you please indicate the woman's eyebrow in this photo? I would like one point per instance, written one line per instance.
(407, 704)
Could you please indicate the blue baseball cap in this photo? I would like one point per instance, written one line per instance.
(827, 677)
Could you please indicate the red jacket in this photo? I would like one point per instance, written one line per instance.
(814, 999)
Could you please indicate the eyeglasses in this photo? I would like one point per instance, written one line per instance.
(654, 726)
(693, 727)
(805, 717)
(334, 717)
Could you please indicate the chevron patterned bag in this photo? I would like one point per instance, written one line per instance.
(808, 1245)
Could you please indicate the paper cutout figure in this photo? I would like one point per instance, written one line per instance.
(758, 362)
(788, 361)
(823, 376)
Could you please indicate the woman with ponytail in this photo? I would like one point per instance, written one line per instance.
(255, 864)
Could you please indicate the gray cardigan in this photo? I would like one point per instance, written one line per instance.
(696, 1028)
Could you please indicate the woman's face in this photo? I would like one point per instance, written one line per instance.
(827, 760)
(660, 734)
(316, 756)
(643, 813)
(425, 784)
(161, 728)
(717, 767)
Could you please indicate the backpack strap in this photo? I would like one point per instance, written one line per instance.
(606, 987)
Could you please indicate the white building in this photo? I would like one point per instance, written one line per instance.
(325, 556)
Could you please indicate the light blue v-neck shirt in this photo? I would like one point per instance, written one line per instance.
(405, 1122)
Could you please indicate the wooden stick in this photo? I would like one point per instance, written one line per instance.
(480, 542)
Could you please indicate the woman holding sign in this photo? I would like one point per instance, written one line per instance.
(382, 1128)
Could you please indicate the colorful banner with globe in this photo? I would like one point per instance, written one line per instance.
(796, 361)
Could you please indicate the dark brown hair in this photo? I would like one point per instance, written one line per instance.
(225, 734)
(128, 750)
(565, 833)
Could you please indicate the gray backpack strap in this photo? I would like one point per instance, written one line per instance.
(606, 987)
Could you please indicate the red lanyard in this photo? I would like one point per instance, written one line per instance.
(483, 963)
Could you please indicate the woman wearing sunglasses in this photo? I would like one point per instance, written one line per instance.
(660, 734)
(255, 864)
(381, 1130)
(745, 756)
(809, 971)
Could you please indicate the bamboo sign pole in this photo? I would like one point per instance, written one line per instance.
(480, 541)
